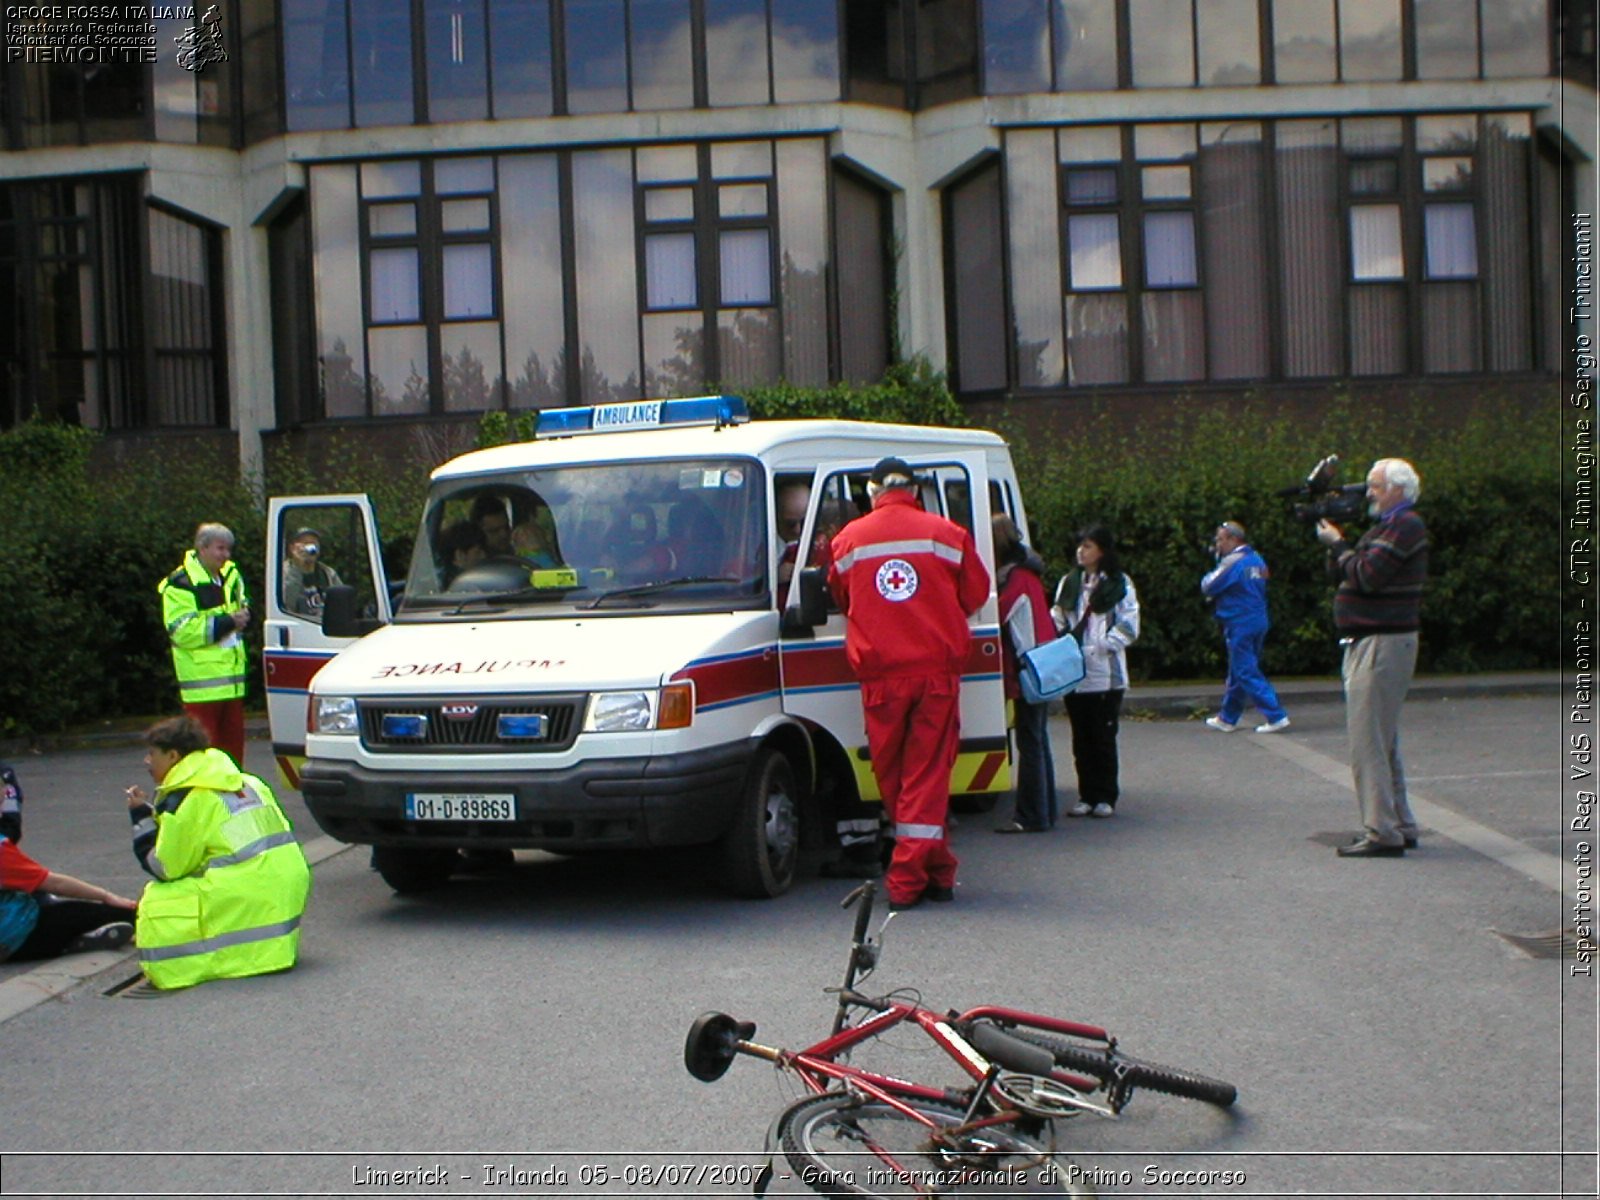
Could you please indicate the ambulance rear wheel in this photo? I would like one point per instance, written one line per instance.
(410, 869)
(761, 851)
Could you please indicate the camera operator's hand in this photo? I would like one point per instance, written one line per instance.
(1328, 533)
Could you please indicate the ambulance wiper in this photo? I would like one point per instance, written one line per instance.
(660, 585)
(522, 593)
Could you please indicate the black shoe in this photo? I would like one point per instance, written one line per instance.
(1366, 848)
(108, 937)
(903, 905)
(1411, 841)
(939, 895)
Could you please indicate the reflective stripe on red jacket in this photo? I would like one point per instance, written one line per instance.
(906, 580)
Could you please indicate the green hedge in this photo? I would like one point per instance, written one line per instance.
(1489, 496)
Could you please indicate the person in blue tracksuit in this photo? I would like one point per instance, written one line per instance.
(1237, 586)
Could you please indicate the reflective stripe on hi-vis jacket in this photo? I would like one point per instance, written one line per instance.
(208, 656)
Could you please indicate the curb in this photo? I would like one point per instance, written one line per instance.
(1185, 702)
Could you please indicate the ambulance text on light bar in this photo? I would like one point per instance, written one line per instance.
(643, 414)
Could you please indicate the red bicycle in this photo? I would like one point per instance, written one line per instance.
(862, 1133)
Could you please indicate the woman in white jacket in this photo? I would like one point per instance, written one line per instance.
(1097, 603)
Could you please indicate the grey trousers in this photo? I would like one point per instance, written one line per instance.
(1377, 674)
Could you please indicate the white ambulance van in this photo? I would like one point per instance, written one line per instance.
(605, 640)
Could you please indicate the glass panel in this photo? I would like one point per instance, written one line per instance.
(1516, 39)
(519, 46)
(1446, 174)
(1369, 135)
(973, 247)
(674, 354)
(336, 257)
(380, 33)
(747, 345)
(1091, 144)
(317, 75)
(1092, 186)
(1094, 251)
(1451, 336)
(1174, 339)
(742, 200)
(805, 51)
(173, 86)
(1086, 45)
(396, 285)
(1369, 37)
(1303, 49)
(1169, 258)
(1455, 133)
(667, 164)
(1374, 177)
(1161, 33)
(1097, 339)
(1229, 42)
(464, 216)
(1375, 250)
(392, 220)
(736, 52)
(534, 297)
(457, 50)
(1505, 212)
(746, 263)
(1377, 331)
(597, 63)
(803, 255)
(1016, 46)
(608, 300)
(669, 204)
(1311, 220)
(380, 179)
(470, 356)
(1033, 210)
(399, 369)
(1231, 181)
(1155, 143)
(864, 278)
(1447, 38)
(1450, 238)
(452, 176)
(669, 278)
(1165, 183)
(663, 66)
(468, 281)
(741, 160)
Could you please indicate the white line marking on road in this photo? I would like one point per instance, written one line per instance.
(55, 976)
(1544, 869)
(1545, 771)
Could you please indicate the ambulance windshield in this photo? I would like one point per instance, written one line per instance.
(604, 537)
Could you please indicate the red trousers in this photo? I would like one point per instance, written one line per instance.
(224, 725)
(913, 725)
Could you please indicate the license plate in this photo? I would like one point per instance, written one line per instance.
(460, 806)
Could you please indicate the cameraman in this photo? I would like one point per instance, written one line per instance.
(1376, 610)
(306, 578)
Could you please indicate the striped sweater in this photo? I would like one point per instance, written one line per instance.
(1381, 579)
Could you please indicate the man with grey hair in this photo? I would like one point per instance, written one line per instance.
(205, 611)
(1377, 611)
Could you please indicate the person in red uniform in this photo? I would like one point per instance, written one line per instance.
(906, 581)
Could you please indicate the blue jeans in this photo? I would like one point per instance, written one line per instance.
(1246, 683)
(1036, 767)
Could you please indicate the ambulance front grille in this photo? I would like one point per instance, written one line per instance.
(462, 723)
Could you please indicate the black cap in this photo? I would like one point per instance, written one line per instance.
(888, 467)
(307, 530)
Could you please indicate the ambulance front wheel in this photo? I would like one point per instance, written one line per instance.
(761, 851)
(414, 868)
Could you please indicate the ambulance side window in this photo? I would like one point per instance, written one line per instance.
(844, 498)
(323, 546)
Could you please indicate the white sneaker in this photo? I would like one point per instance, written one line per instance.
(1274, 726)
(1080, 809)
(1220, 725)
(1103, 810)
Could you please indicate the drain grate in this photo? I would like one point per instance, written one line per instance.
(1555, 943)
(136, 988)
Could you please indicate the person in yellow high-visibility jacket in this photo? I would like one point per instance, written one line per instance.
(230, 883)
(205, 610)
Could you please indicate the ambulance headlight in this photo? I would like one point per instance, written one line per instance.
(334, 714)
(671, 707)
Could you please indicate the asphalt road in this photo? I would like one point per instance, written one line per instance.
(1385, 1039)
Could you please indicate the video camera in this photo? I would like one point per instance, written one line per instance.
(1319, 497)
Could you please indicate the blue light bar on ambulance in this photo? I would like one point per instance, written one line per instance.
(643, 414)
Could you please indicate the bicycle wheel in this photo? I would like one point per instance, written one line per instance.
(1094, 1061)
(843, 1145)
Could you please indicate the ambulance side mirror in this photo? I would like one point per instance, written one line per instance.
(339, 617)
(812, 610)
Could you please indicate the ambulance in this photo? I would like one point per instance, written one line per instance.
(604, 640)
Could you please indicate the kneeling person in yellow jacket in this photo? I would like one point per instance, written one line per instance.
(230, 880)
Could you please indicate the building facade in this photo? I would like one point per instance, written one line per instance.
(381, 211)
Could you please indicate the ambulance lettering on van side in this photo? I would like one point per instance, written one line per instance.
(701, 695)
